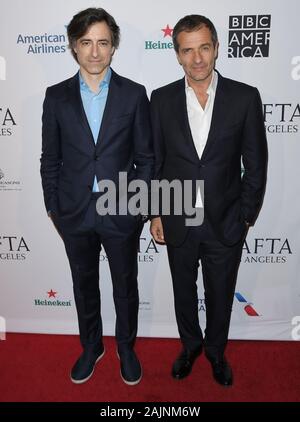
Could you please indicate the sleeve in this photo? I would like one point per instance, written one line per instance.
(51, 158)
(254, 158)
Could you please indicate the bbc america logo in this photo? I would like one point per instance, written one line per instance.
(249, 36)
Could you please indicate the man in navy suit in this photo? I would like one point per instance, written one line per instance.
(96, 125)
(203, 125)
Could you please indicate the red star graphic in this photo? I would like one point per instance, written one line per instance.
(52, 293)
(167, 31)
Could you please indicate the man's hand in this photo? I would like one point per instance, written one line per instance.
(156, 229)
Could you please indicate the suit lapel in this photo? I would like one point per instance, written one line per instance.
(218, 116)
(180, 114)
(76, 102)
(110, 107)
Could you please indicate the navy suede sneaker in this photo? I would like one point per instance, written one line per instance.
(85, 365)
(131, 370)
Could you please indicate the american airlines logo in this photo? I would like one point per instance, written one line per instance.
(248, 306)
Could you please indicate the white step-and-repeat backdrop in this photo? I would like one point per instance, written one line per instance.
(259, 45)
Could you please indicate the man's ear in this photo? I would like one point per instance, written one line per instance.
(216, 50)
(74, 47)
(178, 59)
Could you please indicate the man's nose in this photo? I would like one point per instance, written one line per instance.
(95, 50)
(197, 57)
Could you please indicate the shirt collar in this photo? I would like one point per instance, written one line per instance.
(212, 86)
(105, 81)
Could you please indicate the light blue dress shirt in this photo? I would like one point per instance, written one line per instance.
(94, 105)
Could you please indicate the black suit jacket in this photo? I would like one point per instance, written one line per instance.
(237, 132)
(70, 159)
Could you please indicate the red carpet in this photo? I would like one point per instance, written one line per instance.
(36, 368)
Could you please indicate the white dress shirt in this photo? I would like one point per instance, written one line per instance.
(200, 119)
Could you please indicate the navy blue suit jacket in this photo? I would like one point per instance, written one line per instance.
(70, 159)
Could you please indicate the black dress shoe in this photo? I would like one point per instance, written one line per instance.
(222, 372)
(131, 370)
(85, 365)
(183, 364)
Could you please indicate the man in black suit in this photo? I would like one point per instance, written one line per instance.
(203, 125)
(95, 125)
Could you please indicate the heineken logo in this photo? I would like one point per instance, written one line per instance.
(52, 300)
(167, 31)
(165, 43)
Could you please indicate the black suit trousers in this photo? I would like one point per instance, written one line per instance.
(220, 265)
